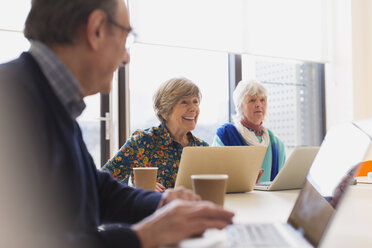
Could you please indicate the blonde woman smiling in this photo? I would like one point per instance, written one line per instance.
(176, 104)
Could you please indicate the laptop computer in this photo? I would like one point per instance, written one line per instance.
(293, 172)
(240, 163)
(341, 151)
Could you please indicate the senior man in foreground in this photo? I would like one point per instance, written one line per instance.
(55, 196)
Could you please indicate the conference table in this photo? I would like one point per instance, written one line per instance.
(350, 227)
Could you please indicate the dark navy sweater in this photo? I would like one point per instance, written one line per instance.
(59, 198)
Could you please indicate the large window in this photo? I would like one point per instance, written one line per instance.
(296, 88)
(197, 45)
(152, 65)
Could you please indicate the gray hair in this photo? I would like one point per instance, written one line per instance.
(170, 92)
(244, 89)
(57, 21)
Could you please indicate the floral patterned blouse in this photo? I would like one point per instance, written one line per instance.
(152, 147)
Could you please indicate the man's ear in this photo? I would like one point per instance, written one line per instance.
(96, 28)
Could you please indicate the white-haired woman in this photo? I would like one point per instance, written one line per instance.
(176, 104)
(250, 100)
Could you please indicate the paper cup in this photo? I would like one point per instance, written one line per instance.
(210, 187)
(145, 177)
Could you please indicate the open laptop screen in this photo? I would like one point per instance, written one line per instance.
(343, 148)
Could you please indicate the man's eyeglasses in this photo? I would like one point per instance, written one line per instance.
(131, 38)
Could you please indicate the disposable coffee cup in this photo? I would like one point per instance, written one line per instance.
(145, 177)
(210, 187)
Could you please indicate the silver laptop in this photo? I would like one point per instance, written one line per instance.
(240, 163)
(343, 148)
(293, 172)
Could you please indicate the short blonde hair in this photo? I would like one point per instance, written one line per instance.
(170, 92)
(242, 90)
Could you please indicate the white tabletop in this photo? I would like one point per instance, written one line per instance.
(261, 206)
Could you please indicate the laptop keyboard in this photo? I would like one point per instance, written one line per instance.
(254, 235)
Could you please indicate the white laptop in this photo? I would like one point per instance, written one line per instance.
(342, 149)
(240, 163)
(293, 172)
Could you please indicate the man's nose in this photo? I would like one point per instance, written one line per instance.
(126, 58)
